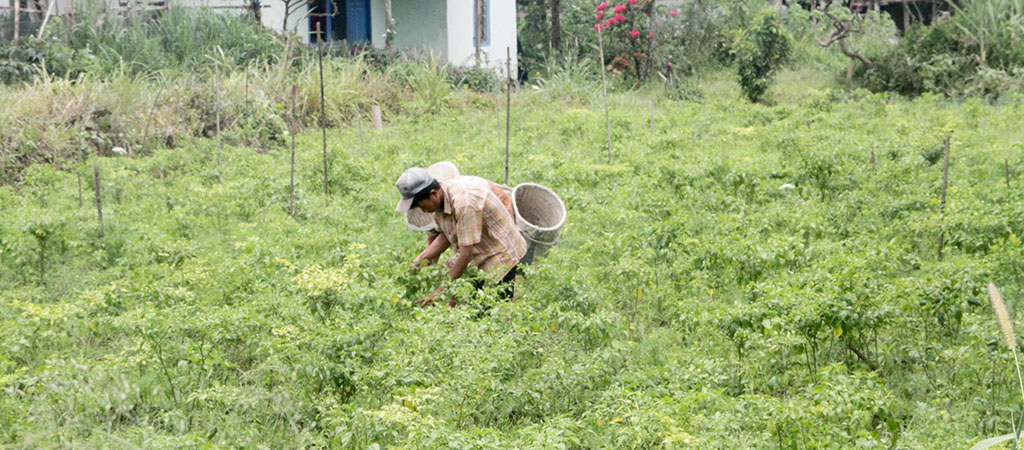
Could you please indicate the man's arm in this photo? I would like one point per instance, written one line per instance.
(465, 256)
(461, 263)
(432, 252)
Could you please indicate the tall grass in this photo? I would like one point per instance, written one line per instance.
(56, 119)
(100, 41)
(993, 29)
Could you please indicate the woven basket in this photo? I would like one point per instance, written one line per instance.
(540, 214)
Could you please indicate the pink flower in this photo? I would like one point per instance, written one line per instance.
(602, 6)
(634, 33)
(638, 83)
(618, 18)
(669, 64)
(596, 27)
(599, 16)
(620, 8)
(609, 23)
(650, 35)
(673, 13)
(632, 2)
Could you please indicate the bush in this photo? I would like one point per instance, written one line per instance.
(698, 40)
(173, 40)
(474, 79)
(760, 50)
(973, 53)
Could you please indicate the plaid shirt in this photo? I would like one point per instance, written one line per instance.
(474, 214)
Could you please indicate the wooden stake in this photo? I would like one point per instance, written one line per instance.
(497, 117)
(604, 92)
(359, 123)
(508, 105)
(323, 109)
(99, 202)
(652, 116)
(291, 131)
(216, 86)
(378, 122)
(1006, 166)
(152, 113)
(942, 202)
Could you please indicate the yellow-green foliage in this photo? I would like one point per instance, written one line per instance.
(693, 302)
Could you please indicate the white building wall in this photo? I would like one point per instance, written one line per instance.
(461, 46)
(444, 27)
(422, 24)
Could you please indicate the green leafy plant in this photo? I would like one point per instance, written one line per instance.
(759, 51)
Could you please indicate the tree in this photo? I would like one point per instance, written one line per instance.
(556, 25)
(760, 50)
(843, 28)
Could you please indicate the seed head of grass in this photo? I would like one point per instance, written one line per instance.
(1002, 315)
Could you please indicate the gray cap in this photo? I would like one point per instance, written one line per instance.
(411, 183)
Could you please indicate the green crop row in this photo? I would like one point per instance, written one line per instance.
(694, 301)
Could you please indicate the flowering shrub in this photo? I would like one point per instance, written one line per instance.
(629, 29)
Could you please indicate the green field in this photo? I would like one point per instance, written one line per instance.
(692, 303)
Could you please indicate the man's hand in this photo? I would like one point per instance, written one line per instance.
(429, 299)
(420, 262)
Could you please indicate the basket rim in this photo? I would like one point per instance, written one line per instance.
(515, 206)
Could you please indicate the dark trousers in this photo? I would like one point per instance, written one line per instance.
(507, 285)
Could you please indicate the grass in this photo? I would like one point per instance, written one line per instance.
(691, 303)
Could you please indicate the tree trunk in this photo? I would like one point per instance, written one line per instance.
(16, 4)
(556, 25)
(543, 12)
(478, 29)
(389, 25)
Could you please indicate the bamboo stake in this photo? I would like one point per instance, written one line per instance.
(359, 123)
(872, 160)
(508, 105)
(604, 92)
(942, 203)
(323, 110)
(46, 18)
(291, 131)
(99, 202)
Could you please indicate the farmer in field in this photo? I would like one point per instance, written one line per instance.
(473, 215)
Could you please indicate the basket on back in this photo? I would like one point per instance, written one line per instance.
(540, 214)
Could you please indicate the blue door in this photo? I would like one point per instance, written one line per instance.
(357, 18)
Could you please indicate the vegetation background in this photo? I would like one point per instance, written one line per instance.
(740, 275)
